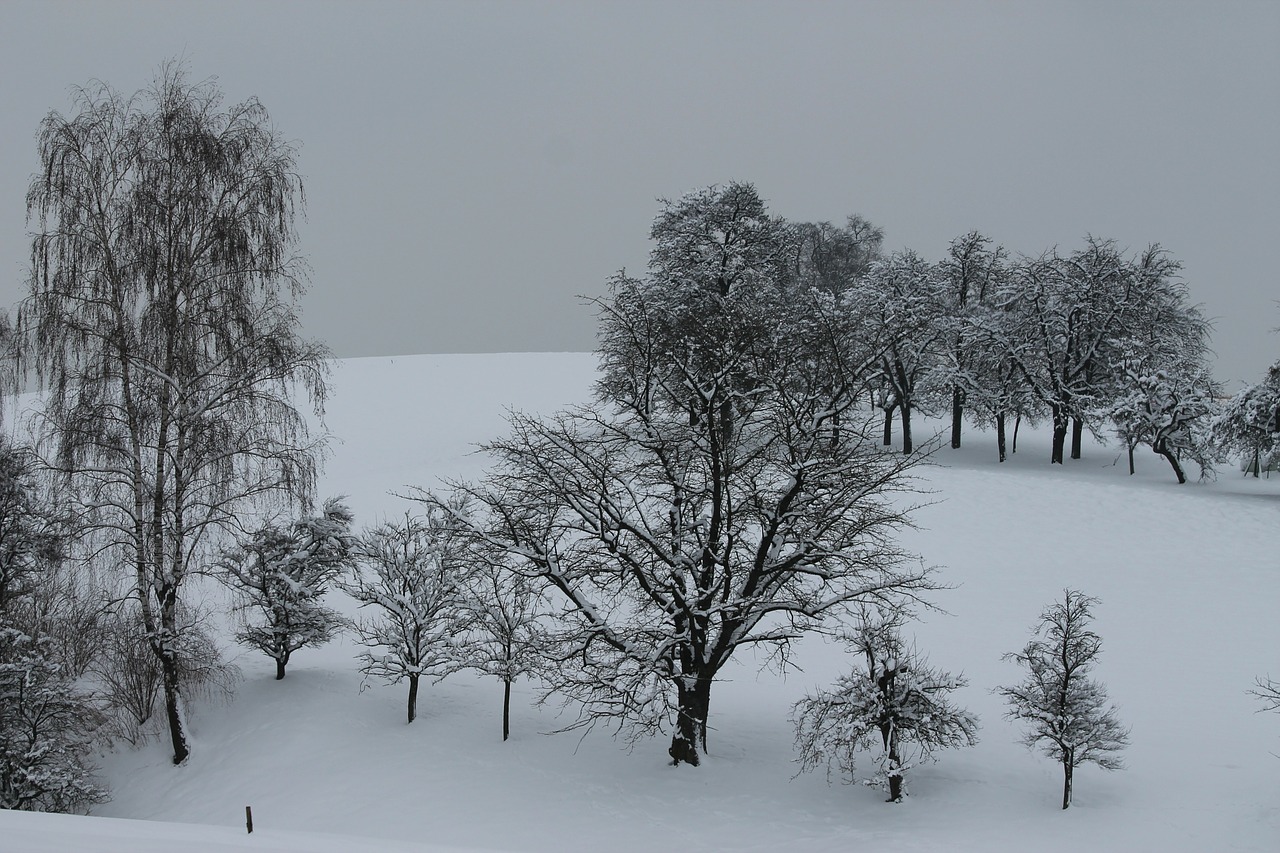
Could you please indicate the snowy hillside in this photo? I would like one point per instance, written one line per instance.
(1189, 582)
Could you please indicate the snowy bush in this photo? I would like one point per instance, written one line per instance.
(47, 731)
(1066, 710)
(898, 703)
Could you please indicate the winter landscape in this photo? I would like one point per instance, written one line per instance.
(831, 543)
(1187, 615)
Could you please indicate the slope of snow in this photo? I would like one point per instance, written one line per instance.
(1189, 582)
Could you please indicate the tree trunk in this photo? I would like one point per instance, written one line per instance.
(1077, 432)
(690, 736)
(173, 711)
(162, 643)
(506, 708)
(957, 416)
(1059, 436)
(895, 773)
(1000, 435)
(1066, 780)
(1131, 469)
(1017, 423)
(888, 426)
(412, 697)
(280, 665)
(1163, 449)
(906, 429)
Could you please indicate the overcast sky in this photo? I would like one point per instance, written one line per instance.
(471, 167)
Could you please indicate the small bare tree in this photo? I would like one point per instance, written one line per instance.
(1066, 711)
(411, 573)
(128, 677)
(505, 613)
(898, 700)
(130, 680)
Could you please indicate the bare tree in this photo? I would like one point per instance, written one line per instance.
(505, 614)
(721, 496)
(973, 271)
(898, 699)
(1268, 692)
(1249, 424)
(128, 676)
(161, 321)
(411, 574)
(283, 575)
(1064, 708)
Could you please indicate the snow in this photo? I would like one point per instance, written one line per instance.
(1187, 576)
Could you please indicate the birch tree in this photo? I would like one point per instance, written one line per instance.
(161, 322)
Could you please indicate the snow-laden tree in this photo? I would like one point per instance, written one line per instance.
(898, 703)
(992, 383)
(832, 258)
(1249, 424)
(47, 731)
(721, 495)
(904, 299)
(1071, 312)
(505, 614)
(411, 574)
(1168, 411)
(1065, 710)
(161, 322)
(282, 574)
(974, 270)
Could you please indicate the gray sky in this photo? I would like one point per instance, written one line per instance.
(471, 167)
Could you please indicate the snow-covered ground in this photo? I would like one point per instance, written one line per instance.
(1189, 582)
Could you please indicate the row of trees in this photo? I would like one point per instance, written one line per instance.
(1092, 339)
(438, 606)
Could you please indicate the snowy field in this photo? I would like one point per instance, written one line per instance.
(1189, 582)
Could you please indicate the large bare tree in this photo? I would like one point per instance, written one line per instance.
(722, 495)
(161, 322)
